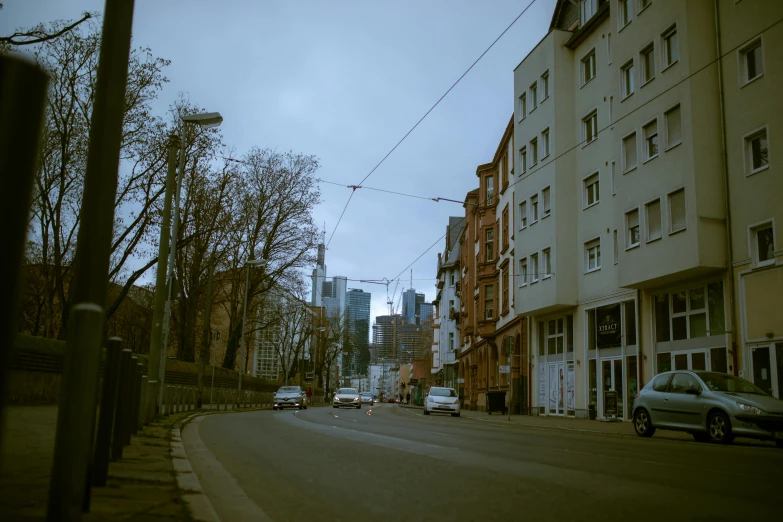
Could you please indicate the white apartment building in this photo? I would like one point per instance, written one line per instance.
(621, 233)
(446, 341)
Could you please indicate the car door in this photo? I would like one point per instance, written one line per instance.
(656, 400)
(686, 409)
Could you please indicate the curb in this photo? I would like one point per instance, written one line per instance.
(560, 428)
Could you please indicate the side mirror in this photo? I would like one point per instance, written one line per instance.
(693, 391)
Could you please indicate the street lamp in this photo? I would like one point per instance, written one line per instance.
(167, 249)
(248, 264)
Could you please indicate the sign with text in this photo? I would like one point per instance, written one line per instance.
(608, 327)
(505, 368)
(610, 403)
(460, 380)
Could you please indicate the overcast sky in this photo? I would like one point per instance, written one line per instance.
(344, 81)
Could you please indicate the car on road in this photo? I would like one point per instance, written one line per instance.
(442, 400)
(347, 397)
(289, 397)
(366, 398)
(713, 407)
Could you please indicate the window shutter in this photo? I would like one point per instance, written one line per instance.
(673, 127)
(633, 219)
(654, 220)
(545, 194)
(629, 151)
(651, 129)
(677, 210)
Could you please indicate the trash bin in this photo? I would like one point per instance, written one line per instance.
(591, 411)
(496, 401)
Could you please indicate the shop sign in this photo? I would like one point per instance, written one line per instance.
(460, 380)
(609, 330)
(610, 403)
(505, 368)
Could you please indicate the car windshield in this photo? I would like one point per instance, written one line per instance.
(289, 389)
(365, 394)
(347, 391)
(443, 392)
(722, 382)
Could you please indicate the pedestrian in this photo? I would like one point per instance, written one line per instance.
(408, 398)
(309, 395)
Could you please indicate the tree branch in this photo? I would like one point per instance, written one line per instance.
(40, 36)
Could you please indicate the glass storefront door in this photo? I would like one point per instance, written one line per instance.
(556, 389)
(767, 360)
(611, 378)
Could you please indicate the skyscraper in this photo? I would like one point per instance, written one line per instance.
(357, 310)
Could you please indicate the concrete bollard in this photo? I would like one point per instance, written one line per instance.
(123, 404)
(111, 381)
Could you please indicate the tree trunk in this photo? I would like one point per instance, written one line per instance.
(203, 355)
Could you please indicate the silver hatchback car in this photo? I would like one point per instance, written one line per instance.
(712, 406)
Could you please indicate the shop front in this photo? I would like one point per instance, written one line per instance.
(556, 366)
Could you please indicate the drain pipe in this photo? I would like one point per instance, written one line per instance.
(730, 251)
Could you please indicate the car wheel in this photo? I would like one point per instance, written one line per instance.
(719, 428)
(779, 443)
(426, 412)
(700, 436)
(333, 406)
(455, 414)
(300, 406)
(642, 423)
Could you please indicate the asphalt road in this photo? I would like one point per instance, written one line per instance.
(393, 463)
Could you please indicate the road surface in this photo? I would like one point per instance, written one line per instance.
(392, 463)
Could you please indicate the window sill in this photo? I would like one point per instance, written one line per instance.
(546, 215)
(760, 169)
(533, 222)
(649, 159)
(643, 9)
(647, 82)
(534, 281)
(587, 143)
(523, 285)
(593, 270)
(629, 170)
(670, 65)
(672, 146)
(672, 232)
(588, 81)
(592, 205)
(626, 25)
(760, 76)
(544, 99)
(626, 97)
(653, 240)
(548, 276)
(763, 264)
(632, 247)
(522, 228)
(545, 156)
(531, 110)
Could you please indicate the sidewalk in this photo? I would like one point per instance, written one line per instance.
(141, 487)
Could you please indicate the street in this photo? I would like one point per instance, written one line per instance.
(393, 463)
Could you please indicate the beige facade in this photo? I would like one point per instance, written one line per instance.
(622, 226)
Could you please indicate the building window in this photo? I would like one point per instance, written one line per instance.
(588, 67)
(752, 61)
(522, 272)
(555, 338)
(534, 150)
(671, 49)
(611, 110)
(653, 217)
(545, 85)
(546, 263)
(451, 341)
(489, 185)
(504, 289)
(522, 107)
(533, 96)
(489, 243)
(534, 267)
(625, 13)
(534, 208)
(489, 302)
(590, 127)
(632, 228)
(614, 182)
(627, 79)
(505, 227)
(593, 255)
(650, 140)
(673, 126)
(763, 244)
(588, 9)
(647, 58)
(689, 314)
(615, 246)
(629, 152)
(452, 280)
(522, 215)
(523, 159)
(677, 219)
(692, 313)
(757, 151)
(545, 202)
(510, 156)
(591, 190)
(609, 47)
(545, 142)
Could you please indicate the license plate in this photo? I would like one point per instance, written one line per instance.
(779, 435)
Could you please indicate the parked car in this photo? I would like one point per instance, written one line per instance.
(442, 400)
(346, 397)
(366, 398)
(289, 397)
(712, 406)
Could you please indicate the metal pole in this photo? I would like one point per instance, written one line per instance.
(111, 384)
(158, 312)
(123, 403)
(22, 106)
(214, 360)
(242, 339)
(172, 255)
(205, 336)
(76, 418)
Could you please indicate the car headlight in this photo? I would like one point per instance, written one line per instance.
(430, 399)
(356, 399)
(751, 409)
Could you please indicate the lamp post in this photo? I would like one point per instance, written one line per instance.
(167, 249)
(248, 264)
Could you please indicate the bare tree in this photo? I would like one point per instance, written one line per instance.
(292, 320)
(37, 34)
